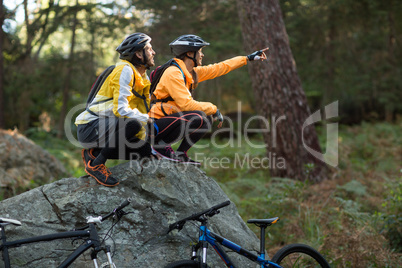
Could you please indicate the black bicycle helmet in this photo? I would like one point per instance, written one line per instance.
(186, 43)
(133, 43)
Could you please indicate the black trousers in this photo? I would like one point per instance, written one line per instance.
(189, 127)
(114, 138)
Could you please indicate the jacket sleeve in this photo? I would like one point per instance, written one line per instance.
(173, 81)
(218, 69)
(122, 84)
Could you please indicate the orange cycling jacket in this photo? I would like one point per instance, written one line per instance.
(172, 85)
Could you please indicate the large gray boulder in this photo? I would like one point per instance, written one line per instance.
(162, 193)
(23, 162)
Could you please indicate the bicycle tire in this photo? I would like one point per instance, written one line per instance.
(183, 264)
(299, 255)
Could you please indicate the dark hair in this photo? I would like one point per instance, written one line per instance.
(136, 61)
(182, 56)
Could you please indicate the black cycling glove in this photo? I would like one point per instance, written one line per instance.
(218, 116)
(255, 56)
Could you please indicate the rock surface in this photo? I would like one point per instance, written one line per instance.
(23, 162)
(162, 193)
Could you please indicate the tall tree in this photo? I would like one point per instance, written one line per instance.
(391, 55)
(66, 87)
(2, 15)
(279, 93)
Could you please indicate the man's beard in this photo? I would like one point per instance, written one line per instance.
(150, 63)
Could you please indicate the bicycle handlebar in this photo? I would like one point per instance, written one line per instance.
(124, 204)
(117, 211)
(197, 216)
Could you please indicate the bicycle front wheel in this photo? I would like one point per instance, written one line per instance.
(299, 255)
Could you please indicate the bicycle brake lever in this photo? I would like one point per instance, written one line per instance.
(180, 226)
(119, 214)
(212, 213)
(177, 225)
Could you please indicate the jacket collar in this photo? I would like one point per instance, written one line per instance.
(140, 81)
(189, 77)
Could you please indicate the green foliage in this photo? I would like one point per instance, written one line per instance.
(35, 56)
(310, 224)
(65, 152)
(364, 146)
(354, 187)
(308, 169)
(344, 218)
(391, 218)
(352, 209)
(345, 50)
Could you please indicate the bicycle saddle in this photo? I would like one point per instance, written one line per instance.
(8, 221)
(266, 222)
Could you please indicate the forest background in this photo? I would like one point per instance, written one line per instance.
(346, 51)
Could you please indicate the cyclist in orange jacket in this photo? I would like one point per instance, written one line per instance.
(177, 115)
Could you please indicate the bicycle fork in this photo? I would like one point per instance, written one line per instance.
(4, 250)
(203, 244)
(204, 254)
(203, 257)
(109, 262)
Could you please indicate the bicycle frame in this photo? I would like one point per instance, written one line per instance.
(91, 235)
(207, 237)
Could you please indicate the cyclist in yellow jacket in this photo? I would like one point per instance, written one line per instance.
(177, 115)
(112, 126)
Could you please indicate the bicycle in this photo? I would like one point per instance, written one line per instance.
(293, 255)
(87, 233)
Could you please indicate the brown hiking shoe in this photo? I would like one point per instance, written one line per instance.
(101, 174)
(87, 155)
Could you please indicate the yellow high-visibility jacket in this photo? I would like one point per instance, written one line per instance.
(116, 98)
(172, 85)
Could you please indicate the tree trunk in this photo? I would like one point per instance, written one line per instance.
(66, 87)
(92, 45)
(279, 94)
(329, 56)
(2, 109)
(26, 65)
(389, 109)
(29, 33)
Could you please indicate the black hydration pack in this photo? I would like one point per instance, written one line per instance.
(97, 86)
(155, 77)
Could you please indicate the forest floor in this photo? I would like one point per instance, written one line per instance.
(354, 217)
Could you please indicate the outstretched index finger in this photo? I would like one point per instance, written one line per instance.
(264, 57)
